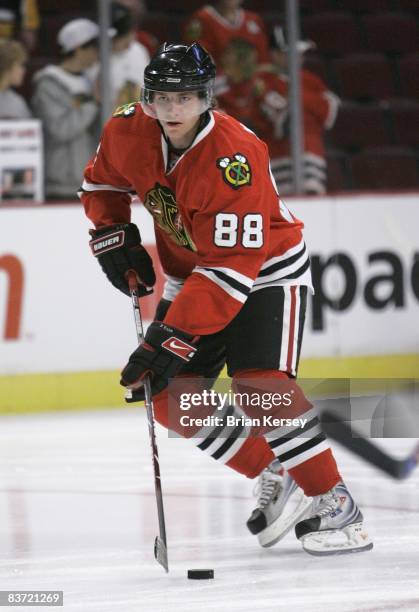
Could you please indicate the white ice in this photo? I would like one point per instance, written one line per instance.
(77, 514)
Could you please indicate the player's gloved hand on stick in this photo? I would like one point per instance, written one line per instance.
(119, 249)
(164, 350)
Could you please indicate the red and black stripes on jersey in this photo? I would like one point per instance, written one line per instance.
(237, 285)
(293, 265)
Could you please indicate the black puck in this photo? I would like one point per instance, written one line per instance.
(200, 574)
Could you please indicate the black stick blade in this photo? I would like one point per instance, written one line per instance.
(160, 553)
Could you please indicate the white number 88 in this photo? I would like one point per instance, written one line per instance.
(226, 226)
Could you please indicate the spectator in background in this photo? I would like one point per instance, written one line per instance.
(139, 11)
(19, 19)
(319, 110)
(237, 89)
(258, 97)
(128, 60)
(12, 71)
(69, 107)
(214, 26)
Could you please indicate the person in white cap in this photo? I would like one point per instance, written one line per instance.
(66, 101)
(128, 58)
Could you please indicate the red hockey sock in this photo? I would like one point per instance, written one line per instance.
(304, 452)
(250, 459)
(315, 475)
(253, 457)
(318, 474)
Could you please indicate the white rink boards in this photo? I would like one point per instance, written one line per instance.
(77, 513)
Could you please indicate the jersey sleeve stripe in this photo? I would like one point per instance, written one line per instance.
(86, 186)
(293, 270)
(284, 263)
(236, 290)
(233, 274)
(292, 251)
(231, 280)
(298, 272)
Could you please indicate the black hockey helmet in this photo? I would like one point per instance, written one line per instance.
(179, 68)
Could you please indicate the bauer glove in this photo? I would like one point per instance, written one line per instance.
(119, 249)
(162, 354)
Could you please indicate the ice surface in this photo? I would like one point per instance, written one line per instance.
(77, 513)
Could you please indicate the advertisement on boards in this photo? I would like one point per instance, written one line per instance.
(21, 161)
(58, 312)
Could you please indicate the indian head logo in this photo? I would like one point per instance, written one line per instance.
(13, 303)
(160, 201)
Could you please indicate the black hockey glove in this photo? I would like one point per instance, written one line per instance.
(162, 354)
(119, 249)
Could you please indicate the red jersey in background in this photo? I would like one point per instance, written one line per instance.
(214, 32)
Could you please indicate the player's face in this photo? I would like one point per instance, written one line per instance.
(178, 113)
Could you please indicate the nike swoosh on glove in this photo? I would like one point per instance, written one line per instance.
(164, 350)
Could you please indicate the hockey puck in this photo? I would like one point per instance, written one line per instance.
(200, 574)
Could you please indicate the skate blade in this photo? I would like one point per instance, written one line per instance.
(160, 553)
(351, 539)
(283, 524)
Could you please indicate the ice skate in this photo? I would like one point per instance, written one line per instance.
(281, 504)
(334, 526)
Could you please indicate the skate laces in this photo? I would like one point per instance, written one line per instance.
(266, 486)
(327, 503)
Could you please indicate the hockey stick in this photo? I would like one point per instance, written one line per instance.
(160, 544)
(339, 430)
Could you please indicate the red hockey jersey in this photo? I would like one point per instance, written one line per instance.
(262, 103)
(220, 224)
(214, 32)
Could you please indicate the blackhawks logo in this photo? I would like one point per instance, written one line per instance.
(160, 201)
(126, 110)
(236, 170)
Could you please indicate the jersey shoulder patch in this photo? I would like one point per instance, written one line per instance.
(235, 170)
(125, 110)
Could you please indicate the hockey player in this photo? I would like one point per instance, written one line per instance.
(320, 107)
(238, 274)
(258, 97)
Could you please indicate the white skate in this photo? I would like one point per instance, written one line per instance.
(281, 505)
(334, 526)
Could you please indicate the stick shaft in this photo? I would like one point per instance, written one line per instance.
(133, 286)
(343, 433)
